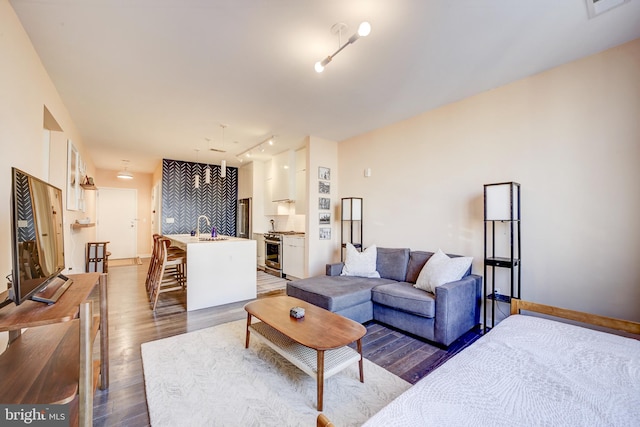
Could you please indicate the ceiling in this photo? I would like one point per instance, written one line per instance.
(150, 79)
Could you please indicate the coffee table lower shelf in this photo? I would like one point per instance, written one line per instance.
(305, 358)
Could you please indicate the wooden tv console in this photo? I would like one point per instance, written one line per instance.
(52, 362)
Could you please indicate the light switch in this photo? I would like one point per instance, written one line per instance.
(170, 220)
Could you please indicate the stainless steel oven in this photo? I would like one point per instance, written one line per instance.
(273, 253)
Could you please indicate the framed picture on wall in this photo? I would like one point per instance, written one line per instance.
(324, 173)
(324, 187)
(325, 233)
(73, 176)
(324, 203)
(325, 217)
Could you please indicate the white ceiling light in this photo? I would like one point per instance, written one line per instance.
(363, 30)
(223, 163)
(124, 173)
(207, 170)
(196, 176)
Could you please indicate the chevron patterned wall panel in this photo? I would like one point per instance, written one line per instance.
(184, 203)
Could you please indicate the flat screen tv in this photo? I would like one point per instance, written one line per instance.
(37, 240)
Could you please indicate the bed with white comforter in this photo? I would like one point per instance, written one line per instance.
(528, 371)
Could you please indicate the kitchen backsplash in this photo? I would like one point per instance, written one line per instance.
(182, 203)
(286, 222)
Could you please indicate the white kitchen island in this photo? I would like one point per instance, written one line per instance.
(218, 271)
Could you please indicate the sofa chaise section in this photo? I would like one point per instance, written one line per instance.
(393, 300)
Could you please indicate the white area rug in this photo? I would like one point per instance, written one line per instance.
(208, 378)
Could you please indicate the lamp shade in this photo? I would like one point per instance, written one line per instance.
(352, 209)
(502, 201)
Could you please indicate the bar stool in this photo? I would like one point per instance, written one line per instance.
(97, 258)
(169, 273)
(153, 263)
(173, 252)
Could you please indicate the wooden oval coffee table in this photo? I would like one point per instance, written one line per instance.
(317, 343)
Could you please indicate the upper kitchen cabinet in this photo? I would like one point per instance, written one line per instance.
(271, 207)
(301, 181)
(245, 182)
(284, 177)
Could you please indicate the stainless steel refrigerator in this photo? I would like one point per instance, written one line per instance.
(243, 219)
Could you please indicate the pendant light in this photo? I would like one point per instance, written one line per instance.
(207, 171)
(223, 163)
(196, 176)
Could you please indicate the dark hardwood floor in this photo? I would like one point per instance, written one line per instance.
(131, 323)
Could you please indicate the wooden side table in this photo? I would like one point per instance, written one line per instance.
(52, 362)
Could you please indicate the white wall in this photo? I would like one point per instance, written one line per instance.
(25, 90)
(569, 136)
(321, 152)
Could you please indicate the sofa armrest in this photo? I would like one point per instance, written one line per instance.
(457, 308)
(334, 269)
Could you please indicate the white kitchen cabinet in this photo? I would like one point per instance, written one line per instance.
(283, 172)
(270, 184)
(293, 256)
(301, 182)
(270, 208)
(259, 238)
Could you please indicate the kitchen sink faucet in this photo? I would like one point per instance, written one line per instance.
(198, 224)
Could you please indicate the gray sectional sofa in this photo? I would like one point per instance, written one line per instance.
(391, 299)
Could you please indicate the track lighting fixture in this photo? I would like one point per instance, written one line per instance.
(363, 30)
(259, 146)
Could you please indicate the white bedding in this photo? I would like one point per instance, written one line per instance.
(528, 371)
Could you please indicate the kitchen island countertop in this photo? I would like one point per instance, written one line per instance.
(219, 271)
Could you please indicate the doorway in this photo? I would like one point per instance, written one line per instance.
(117, 221)
(155, 209)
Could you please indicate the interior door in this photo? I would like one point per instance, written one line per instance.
(117, 222)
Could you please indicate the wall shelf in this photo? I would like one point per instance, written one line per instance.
(76, 226)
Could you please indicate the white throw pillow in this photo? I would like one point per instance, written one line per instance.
(441, 269)
(361, 264)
